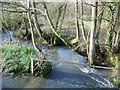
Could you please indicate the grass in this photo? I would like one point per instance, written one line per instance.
(17, 60)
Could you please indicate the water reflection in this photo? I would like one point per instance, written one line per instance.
(66, 55)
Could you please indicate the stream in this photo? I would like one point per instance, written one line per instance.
(70, 70)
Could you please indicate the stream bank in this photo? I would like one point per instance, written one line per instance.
(63, 75)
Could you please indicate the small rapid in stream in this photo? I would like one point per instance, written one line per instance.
(70, 70)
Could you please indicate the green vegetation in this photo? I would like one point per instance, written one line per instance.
(116, 81)
(42, 70)
(114, 60)
(90, 29)
(17, 60)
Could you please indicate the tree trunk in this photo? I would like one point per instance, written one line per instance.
(77, 39)
(59, 13)
(110, 28)
(26, 28)
(83, 28)
(53, 27)
(35, 20)
(62, 17)
(99, 23)
(32, 34)
(117, 28)
(91, 56)
(42, 34)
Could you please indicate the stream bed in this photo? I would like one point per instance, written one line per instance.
(65, 73)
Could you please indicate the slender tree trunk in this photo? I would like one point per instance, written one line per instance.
(99, 23)
(83, 28)
(59, 13)
(35, 20)
(42, 34)
(117, 28)
(117, 39)
(52, 25)
(26, 28)
(110, 28)
(77, 21)
(77, 39)
(62, 17)
(91, 56)
(32, 34)
(87, 44)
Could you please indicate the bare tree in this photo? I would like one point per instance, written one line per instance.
(62, 16)
(91, 55)
(59, 13)
(83, 28)
(99, 21)
(42, 34)
(52, 25)
(113, 25)
(117, 27)
(35, 20)
(77, 39)
(32, 32)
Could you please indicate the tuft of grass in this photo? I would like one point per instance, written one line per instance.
(17, 58)
(17, 61)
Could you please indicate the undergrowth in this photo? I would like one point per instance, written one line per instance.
(17, 58)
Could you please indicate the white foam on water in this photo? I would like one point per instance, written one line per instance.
(86, 69)
(103, 82)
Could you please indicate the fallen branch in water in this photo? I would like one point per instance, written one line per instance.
(96, 67)
(101, 67)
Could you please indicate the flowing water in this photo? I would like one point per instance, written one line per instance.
(69, 71)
